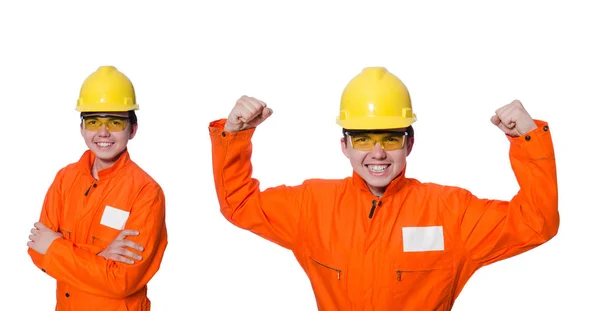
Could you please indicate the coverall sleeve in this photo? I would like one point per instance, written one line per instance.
(94, 274)
(493, 230)
(272, 214)
(50, 217)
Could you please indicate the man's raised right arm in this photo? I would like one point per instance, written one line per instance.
(274, 213)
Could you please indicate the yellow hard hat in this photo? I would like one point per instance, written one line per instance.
(107, 89)
(375, 99)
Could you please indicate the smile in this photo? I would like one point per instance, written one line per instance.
(378, 168)
(104, 144)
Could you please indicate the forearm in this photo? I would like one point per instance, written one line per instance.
(89, 272)
(273, 213)
(232, 168)
(38, 259)
(534, 164)
(493, 230)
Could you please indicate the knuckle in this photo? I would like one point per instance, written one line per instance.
(243, 100)
(247, 114)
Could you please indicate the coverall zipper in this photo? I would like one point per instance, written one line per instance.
(90, 187)
(328, 267)
(373, 206)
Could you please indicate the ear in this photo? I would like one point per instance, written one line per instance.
(411, 142)
(344, 146)
(134, 129)
(81, 128)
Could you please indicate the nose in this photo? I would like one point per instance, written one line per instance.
(103, 132)
(377, 152)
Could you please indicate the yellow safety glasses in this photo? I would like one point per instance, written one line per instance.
(112, 123)
(366, 141)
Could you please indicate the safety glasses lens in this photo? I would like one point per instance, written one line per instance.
(388, 141)
(113, 124)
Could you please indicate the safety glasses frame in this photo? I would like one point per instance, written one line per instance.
(108, 118)
(355, 133)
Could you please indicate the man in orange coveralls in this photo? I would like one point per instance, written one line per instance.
(80, 239)
(379, 240)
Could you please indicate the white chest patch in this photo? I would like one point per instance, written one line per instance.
(114, 218)
(423, 239)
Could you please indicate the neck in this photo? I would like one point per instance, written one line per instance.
(377, 191)
(99, 165)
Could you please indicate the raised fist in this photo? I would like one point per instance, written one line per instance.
(513, 119)
(248, 112)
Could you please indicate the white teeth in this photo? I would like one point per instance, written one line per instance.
(104, 144)
(377, 168)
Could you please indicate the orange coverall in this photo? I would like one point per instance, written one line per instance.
(412, 249)
(90, 214)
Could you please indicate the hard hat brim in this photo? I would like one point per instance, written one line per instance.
(105, 107)
(376, 123)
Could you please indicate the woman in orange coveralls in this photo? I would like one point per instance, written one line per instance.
(379, 240)
(102, 231)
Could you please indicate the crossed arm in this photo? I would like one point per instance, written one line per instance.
(120, 249)
(117, 271)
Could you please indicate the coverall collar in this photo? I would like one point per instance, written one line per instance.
(87, 160)
(395, 186)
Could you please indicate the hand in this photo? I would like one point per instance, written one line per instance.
(41, 237)
(117, 251)
(513, 119)
(248, 112)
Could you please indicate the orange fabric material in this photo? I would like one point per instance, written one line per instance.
(359, 263)
(86, 281)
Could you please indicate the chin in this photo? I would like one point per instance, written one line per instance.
(107, 156)
(379, 183)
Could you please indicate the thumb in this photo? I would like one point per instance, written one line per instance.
(125, 233)
(267, 112)
(504, 128)
(508, 130)
(495, 120)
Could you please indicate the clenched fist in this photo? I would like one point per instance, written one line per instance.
(513, 119)
(248, 112)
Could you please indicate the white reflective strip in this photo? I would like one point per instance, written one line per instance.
(423, 239)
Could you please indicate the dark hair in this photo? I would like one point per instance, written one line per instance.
(130, 114)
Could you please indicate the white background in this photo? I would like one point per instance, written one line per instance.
(460, 59)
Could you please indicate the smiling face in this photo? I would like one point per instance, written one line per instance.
(106, 134)
(376, 156)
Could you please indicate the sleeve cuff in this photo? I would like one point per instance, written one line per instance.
(219, 136)
(55, 248)
(536, 144)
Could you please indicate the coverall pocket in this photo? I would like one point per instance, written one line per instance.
(328, 272)
(66, 233)
(102, 237)
(421, 275)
